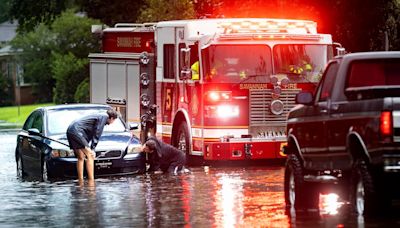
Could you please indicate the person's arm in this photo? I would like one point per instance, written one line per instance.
(100, 123)
(154, 162)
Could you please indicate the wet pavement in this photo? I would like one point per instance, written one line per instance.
(208, 197)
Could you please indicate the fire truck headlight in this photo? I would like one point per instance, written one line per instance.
(274, 80)
(277, 107)
(284, 82)
(227, 111)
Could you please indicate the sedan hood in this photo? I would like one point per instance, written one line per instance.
(108, 141)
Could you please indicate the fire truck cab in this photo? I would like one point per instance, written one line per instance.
(216, 88)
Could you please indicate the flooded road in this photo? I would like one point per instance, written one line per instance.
(208, 197)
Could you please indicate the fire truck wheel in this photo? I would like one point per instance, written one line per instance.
(182, 138)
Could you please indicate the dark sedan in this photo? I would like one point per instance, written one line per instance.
(42, 147)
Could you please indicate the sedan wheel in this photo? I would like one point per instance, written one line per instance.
(45, 174)
(20, 168)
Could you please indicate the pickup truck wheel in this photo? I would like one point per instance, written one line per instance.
(298, 194)
(365, 196)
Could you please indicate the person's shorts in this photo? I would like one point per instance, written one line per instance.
(76, 141)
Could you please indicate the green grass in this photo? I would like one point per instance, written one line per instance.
(10, 114)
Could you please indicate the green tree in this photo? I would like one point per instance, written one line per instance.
(111, 12)
(70, 59)
(4, 10)
(6, 90)
(82, 94)
(37, 47)
(69, 71)
(31, 13)
(161, 10)
(57, 54)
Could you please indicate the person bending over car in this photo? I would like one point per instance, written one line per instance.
(84, 130)
(164, 157)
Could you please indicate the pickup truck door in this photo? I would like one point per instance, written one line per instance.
(316, 152)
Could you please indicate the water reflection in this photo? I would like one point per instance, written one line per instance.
(207, 197)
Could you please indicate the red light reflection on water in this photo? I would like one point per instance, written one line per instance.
(243, 203)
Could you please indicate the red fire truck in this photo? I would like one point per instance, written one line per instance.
(215, 88)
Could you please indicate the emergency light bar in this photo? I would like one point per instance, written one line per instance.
(271, 36)
(270, 26)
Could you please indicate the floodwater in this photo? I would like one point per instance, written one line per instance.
(207, 197)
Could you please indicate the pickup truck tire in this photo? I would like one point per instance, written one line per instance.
(299, 195)
(366, 199)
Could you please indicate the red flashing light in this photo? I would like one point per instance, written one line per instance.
(386, 123)
(215, 96)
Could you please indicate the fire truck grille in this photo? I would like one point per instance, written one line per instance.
(260, 107)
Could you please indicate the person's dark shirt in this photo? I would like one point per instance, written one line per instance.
(91, 127)
(164, 155)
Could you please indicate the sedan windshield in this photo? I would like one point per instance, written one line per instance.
(59, 120)
(301, 62)
(236, 63)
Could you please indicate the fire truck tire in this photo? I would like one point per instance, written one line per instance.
(182, 138)
(299, 195)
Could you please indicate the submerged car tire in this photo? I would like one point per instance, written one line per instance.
(365, 196)
(299, 194)
(45, 172)
(20, 167)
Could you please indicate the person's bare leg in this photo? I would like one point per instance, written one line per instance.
(89, 163)
(79, 164)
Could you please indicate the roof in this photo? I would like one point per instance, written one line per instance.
(74, 106)
(8, 31)
(7, 51)
(372, 55)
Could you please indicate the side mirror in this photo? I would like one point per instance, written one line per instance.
(304, 98)
(34, 131)
(185, 74)
(133, 126)
(185, 64)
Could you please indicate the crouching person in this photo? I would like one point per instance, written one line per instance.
(163, 156)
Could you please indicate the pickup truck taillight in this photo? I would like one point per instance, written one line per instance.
(386, 125)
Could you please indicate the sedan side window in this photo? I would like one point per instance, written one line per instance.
(29, 122)
(38, 123)
(328, 81)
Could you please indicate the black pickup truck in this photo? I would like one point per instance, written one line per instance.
(346, 136)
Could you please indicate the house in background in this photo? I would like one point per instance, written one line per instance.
(20, 92)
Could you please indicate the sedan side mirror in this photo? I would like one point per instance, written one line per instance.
(133, 126)
(34, 131)
(304, 98)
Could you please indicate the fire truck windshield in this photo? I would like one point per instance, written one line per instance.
(235, 63)
(301, 62)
